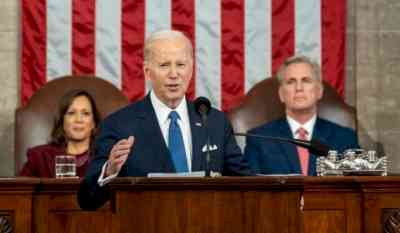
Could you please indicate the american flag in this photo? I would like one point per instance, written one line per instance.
(237, 43)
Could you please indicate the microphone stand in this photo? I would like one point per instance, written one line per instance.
(208, 154)
(202, 106)
(270, 137)
(314, 146)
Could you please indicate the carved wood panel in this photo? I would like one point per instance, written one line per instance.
(391, 220)
(6, 222)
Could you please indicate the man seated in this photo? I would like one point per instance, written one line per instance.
(162, 132)
(300, 89)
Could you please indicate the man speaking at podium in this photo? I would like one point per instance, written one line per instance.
(161, 133)
(300, 89)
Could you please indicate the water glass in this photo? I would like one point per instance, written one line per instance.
(65, 166)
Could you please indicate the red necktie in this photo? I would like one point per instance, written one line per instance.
(303, 152)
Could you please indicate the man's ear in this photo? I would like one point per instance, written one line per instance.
(146, 70)
(280, 93)
(321, 90)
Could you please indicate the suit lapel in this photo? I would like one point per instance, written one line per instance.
(321, 132)
(151, 130)
(289, 150)
(198, 139)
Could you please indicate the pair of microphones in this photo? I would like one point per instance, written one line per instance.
(202, 106)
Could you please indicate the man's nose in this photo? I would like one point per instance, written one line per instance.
(173, 73)
(299, 86)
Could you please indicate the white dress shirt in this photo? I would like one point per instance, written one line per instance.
(162, 112)
(308, 126)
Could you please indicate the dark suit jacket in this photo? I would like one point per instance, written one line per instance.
(150, 153)
(41, 161)
(269, 157)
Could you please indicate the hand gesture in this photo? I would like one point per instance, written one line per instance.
(118, 155)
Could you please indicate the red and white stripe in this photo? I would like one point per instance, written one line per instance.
(237, 42)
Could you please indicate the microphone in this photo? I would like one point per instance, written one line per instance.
(314, 146)
(202, 106)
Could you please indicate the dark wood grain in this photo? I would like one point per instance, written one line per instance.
(250, 204)
(207, 205)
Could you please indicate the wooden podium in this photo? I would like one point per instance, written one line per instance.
(365, 204)
(224, 204)
(215, 205)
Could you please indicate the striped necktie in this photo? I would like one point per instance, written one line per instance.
(303, 152)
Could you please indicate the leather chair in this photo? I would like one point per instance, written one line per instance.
(34, 122)
(262, 104)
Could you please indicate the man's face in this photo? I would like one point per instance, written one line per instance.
(300, 90)
(169, 69)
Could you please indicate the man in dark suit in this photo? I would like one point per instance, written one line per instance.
(300, 88)
(162, 132)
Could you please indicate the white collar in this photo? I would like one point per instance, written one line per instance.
(308, 126)
(162, 110)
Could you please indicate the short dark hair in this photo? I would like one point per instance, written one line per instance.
(58, 134)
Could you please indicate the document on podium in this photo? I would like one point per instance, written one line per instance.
(179, 174)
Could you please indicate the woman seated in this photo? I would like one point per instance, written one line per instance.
(73, 132)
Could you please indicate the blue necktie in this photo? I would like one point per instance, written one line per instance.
(175, 144)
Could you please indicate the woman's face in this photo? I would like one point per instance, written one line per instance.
(78, 120)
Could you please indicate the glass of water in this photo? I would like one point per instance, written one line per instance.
(65, 166)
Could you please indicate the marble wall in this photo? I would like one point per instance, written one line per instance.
(9, 83)
(372, 85)
(376, 71)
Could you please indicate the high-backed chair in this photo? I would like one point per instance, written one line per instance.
(262, 104)
(33, 122)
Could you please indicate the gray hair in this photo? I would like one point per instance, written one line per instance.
(299, 59)
(164, 34)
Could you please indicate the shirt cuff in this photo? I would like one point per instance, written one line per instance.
(105, 180)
